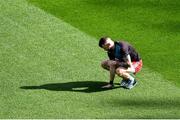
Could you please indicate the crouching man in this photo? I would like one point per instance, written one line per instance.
(123, 61)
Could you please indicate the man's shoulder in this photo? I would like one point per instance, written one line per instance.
(123, 43)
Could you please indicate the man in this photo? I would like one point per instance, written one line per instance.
(123, 61)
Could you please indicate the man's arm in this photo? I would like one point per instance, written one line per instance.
(130, 68)
(112, 70)
(112, 74)
(127, 56)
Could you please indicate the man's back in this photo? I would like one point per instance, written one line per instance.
(123, 49)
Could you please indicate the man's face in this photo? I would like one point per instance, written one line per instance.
(106, 46)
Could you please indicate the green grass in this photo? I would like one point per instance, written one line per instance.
(50, 69)
(152, 26)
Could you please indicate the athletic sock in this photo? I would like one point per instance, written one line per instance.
(131, 78)
(111, 82)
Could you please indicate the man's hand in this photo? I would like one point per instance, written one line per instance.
(108, 86)
(130, 68)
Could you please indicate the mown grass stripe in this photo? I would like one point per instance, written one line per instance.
(46, 54)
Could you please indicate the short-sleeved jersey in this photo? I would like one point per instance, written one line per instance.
(121, 50)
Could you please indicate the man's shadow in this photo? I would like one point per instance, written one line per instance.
(79, 86)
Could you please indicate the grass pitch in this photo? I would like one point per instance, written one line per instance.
(152, 26)
(50, 69)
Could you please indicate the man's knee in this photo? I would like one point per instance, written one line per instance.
(107, 64)
(112, 63)
(104, 64)
(119, 71)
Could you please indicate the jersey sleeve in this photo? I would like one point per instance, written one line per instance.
(125, 48)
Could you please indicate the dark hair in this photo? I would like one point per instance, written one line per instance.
(102, 41)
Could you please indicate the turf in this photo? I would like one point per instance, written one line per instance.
(152, 26)
(46, 73)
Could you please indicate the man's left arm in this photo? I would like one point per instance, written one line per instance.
(127, 57)
(130, 69)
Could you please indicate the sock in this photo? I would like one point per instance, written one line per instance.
(111, 82)
(130, 77)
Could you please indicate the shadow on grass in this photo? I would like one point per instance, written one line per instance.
(159, 108)
(158, 103)
(79, 86)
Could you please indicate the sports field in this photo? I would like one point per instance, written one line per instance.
(50, 59)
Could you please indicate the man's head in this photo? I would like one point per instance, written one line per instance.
(106, 43)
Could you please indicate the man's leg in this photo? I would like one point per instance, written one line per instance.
(111, 66)
(126, 76)
(105, 64)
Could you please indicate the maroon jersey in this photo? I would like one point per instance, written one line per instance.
(121, 50)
